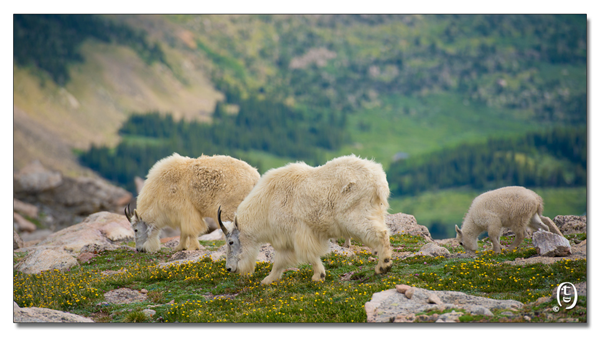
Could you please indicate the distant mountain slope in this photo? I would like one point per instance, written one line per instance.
(110, 84)
(526, 67)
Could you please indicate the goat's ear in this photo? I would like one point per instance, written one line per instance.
(235, 224)
(458, 231)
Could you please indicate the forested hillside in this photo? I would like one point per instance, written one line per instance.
(466, 101)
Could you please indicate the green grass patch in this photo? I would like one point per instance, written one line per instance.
(417, 125)
(204, 291)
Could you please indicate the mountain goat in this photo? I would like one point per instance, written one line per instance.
(516, 208)
(181, 191)
(298, 208)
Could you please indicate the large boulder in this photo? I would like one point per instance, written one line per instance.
(65, 200)
(570, 224)
(104, 229)
(47, 259)
(42, 315)
(550, 245)
(23, 225)
(388, 305)
(100, 231)
(400, 224)
(34, 178)
(25, 209)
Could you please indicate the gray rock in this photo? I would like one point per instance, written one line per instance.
(149, 312)
(387, 305)
(434, 299)
(34, 177)
(25, 209)
(23, 225)
(48, 259)
(406, 224)
(550, 245)
(37, 235)
(43, 315)
(66, 199)
(99, 232)
(570, 224)
(103, 229)
(480, 310)
(433, 250)
(450, 317)
(124, 296)
(17, 241)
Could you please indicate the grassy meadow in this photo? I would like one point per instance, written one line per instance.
(204, 292)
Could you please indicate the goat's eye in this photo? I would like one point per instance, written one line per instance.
(135, 230)
(231, 243)
(461, 243)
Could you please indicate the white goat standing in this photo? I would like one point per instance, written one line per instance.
(298, 208)
(180, 191)
(516, 208)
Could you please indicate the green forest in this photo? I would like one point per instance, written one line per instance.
(474, 101)
(51, 41)
(554, 158)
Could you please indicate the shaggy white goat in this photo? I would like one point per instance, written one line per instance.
(298, 208)
(516, 208)
(181, 191)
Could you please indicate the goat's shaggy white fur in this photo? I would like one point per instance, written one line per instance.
(180, 191)
(298, 208)
(516, 208)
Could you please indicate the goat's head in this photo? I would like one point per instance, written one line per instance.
(140, 228)
(232, 240)
(467, 242)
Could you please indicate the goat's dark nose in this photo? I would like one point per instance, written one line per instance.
(228, 269)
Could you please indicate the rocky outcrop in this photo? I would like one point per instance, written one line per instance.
(25, 209)
(400, 224)
(571, 224)
(65, 199)
(17, 241)
(390, 305)
(100, 231)
(550, 245)
(46, 259)
(42, 315)
(104, 229)
(35, 178)
(21, 224)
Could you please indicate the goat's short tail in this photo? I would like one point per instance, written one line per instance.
(382, 194)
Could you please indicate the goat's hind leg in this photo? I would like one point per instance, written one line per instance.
(536, 223)
(376, 236)
(519, 235)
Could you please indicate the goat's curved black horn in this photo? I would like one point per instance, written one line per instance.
(223, 228)
(125, 211)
